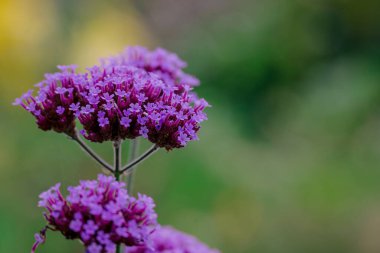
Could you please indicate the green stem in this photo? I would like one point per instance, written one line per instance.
(90, 152)
(117, 162)
(141, 158)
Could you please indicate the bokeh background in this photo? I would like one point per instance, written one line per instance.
(289, 160)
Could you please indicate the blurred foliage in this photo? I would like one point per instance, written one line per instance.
(289, 159)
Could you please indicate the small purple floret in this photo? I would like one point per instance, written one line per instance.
(103, 122)
(60, 110)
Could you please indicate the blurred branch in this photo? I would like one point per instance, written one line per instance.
(148, 153)
(133, 149)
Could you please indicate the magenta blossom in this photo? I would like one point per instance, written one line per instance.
(169, 240)
(119, 102)
(100, 214)
(139, 93)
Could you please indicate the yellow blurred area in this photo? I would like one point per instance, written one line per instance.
(107, 34)
(25, 23)
(33, 35)
(24, 26)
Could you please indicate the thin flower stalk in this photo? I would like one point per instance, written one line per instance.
(117, 162)
(117, 159)
(90, 152)
(144, 156)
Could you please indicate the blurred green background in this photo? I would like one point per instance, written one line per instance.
(289, 160)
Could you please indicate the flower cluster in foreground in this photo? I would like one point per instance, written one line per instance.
(169, 240)
(100, 214)
(142, 94)
(126, 102)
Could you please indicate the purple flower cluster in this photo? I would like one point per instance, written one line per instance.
(168, 66)
(51, 106)
(139, 93)
(126, 102)
(101, 214)
(169, 240)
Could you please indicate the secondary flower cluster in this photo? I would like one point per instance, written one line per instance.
(168, 240)
(146, 94)
(99, 213)
(168, 66)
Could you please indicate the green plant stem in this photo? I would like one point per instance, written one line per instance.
(117, 162)
(141, 158)
(90, 152)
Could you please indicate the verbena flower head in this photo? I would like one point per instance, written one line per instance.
(139, 93)
(100, 214)
(169, 240)
(118, 102)
(167, 65)
(51, 105)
